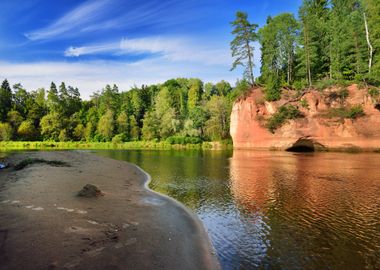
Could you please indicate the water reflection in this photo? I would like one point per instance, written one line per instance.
(276, 210)
(319, 210)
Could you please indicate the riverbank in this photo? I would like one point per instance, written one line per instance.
(46, 145)
(130, 227)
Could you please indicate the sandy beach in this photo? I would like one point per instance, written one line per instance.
(44, 225)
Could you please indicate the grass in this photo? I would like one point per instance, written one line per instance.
(30, 161)
(47, 145)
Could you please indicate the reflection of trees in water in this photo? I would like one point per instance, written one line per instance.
(190, 176)
(320, 206)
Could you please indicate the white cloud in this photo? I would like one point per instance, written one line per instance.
(83, 14)
(94, 75)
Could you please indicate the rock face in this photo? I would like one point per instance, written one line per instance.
(317, 129)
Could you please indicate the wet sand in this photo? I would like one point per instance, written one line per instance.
(44, 225)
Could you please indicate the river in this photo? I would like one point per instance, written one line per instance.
(276, 210)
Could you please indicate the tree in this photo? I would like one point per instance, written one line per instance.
(134, 133)
(195, 93)
(53, 101)
(241, 46)
(5, 132)
(51, 126)
(315, 58)
(151, 126)
(79, 132)
(122, 124)
(217, 126)
(14, 118)
(27, 131)
(106, 125)
(371, 17)
(348, 42)
(5, 100)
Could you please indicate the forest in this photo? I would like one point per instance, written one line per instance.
(327, 43)
(180, 111)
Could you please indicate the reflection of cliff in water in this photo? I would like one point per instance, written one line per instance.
(320, 205)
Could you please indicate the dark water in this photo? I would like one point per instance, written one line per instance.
(274, 210)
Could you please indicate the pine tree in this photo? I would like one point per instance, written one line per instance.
(241, 45)
(5, 100)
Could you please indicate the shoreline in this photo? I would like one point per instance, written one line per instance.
(138, 145)
(131, 227)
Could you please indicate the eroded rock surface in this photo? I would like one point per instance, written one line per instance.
(316, 130)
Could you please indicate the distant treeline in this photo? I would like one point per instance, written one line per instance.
(179, 111)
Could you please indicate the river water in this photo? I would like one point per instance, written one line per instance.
(276, 210)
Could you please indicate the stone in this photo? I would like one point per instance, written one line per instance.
(90, 191)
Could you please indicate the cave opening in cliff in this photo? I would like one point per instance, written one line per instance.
(302, 145)
(377, 106)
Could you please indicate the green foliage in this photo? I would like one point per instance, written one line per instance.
(278, 41)
(5, 100)
(242, 89)
(27, 131)
(217, 126)
(272, 89)
(5, 132)
(63, 136)
(51, 126)
(284, 113)
(106, 126)
(374, 93)
(119, 138)
(324, 84)
(343, 112)
(304, 103)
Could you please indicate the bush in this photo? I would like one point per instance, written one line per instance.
(283, 114)
(183, 140)
(304, 104)
(352, 113)
(324, 84)
(119, 138)
(340, 95)
(355, 112)
(374, 92)
(300, 85)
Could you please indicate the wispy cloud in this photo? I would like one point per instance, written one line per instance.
(169, 48)
(149, 13)
(80, 16)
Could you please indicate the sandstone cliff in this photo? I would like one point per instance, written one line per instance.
(316, 128)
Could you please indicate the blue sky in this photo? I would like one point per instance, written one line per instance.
(92, 43)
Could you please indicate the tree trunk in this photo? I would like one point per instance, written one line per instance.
(369, 43)
(289, 68)
(307, 49)
(250, 63)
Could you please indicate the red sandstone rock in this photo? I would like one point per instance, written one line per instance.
(249, 116)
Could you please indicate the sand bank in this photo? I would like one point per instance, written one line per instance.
(44, 225)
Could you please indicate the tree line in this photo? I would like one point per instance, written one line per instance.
(179, 110)
(332, 40)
